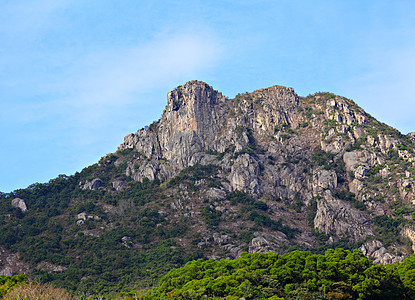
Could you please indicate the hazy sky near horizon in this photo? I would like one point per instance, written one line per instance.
(77, 76)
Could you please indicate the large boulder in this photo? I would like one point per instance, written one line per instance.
(20, 203)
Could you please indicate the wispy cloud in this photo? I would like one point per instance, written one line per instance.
(101, 81)
(100, 86)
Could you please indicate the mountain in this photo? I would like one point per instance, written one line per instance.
(213, 178)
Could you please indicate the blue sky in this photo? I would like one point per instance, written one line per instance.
(77, 76)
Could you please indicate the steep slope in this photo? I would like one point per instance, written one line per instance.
(265, 171)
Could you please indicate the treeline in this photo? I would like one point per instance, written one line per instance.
(338, 274)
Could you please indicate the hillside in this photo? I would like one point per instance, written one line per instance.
(213, 178)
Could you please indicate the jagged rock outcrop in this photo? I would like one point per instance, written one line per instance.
(376, 251)
(340, 218)
(198, 121)
(264, 143)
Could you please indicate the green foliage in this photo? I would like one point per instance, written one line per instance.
(194, 173)
(322, 158)
(97, 261)
(265, 221)
(349, 197)
(308, 112)
(244, 198)
(325, 95)
(212, 216)
(388, 229)
(246, 236)
(218, 155)
(7, 283)
(375, 170)
(338, 274)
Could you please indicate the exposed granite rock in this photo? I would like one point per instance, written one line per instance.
(49, 267)
(338, 217)
(323, 180)
(20, 203)
(263, 143)
(196, 121)
(244, 174)
(95, 184)
(359, 162)
(375, 250)
(10, 263)
(216, 194)
(119, 185)
(82, 217)
(220, 239)
(267, 242)
(410, 234)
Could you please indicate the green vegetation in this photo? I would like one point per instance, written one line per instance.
(388, 229)
(349, 197)
(36, 291)
(123, 248)
(338, 274)
(323, 158)
(8, 283)
(255, 208)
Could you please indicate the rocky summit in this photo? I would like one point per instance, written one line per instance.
(267, 171)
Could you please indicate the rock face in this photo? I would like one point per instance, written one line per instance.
(267, 144)
(20, 203)
(375, 250)
(196, 123)
(10, 263)
(335, 216)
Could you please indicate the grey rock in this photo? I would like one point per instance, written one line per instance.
(216, 194)
(83, 216)
(261, 146)
(11, 264)
(323, 180)
(259, 245)
(20, 203)
(220, 239)
(119, 185)
(49, 267)
(375, 250)
(95, 184)
(335, 216)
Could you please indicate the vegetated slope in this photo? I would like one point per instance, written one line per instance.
(338, 274)
(214, 177)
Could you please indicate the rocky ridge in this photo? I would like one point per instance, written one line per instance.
(265, 171)
(264, 141)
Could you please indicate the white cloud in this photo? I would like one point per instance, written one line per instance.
(112, 78)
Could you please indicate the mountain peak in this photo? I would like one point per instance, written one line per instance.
(265, 171)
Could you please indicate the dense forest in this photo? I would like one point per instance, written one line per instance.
(338, 274)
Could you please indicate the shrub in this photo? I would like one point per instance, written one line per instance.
(35, 291)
